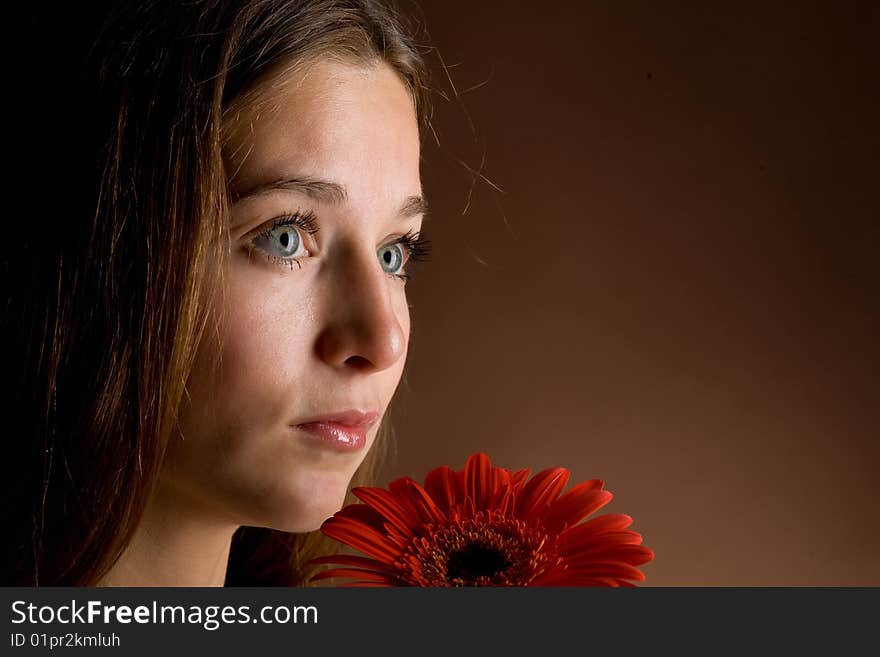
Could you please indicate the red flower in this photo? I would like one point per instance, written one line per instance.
(484, 526)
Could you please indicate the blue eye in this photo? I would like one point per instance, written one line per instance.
(410, 247)
(391, 257)
(283, 245)
(281, 241)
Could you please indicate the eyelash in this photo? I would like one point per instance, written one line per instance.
(417, 248)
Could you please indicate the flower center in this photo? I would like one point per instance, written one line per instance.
(475, 560)
(487, 549)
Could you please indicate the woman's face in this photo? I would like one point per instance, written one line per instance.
(314, 319)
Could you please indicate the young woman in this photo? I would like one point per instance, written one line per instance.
(205, 316)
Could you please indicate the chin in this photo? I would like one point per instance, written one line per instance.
(306, 505)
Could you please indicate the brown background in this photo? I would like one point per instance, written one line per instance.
(676, 291)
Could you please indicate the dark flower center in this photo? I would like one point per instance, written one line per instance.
(475, 560)
(486, 549)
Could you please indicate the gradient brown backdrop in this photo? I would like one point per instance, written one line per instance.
(676, 291)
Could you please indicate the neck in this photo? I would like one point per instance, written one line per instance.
(175, 544)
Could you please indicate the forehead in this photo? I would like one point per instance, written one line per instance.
(354, 124)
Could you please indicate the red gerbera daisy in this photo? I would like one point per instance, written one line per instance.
(484, 526)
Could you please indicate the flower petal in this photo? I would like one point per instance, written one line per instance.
(580, 502)
(539, 492)
(585, 532)
(440, 485)
(361, 537)
(478, 478)
(616, 569)
(365, 575)
(506, 504)
(398, 514)
(563, 578)
(420, 505)
(428, 511)
(519, 478)
(354, 560)
(364, 585)
(362, 513)
(635, 555)
(575, 539)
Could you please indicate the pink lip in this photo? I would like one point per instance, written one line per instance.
(345, 431)
(339, 436)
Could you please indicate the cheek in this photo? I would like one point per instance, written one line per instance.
(401, 310)
(265, 341)
(267, 335)
(400, 305)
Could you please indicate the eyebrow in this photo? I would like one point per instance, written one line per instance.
(324, 191)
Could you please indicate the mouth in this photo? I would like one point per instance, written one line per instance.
(343, 432)
(337, 436)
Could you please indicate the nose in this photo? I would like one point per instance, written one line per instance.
(361, 329)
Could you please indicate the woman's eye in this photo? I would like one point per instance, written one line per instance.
(392, 258)
(284, 245)
(280, 241)
(283, 242)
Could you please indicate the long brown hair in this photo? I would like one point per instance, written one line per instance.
(106, 290)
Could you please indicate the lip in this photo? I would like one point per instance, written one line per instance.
(344, 431)
(348, 418)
